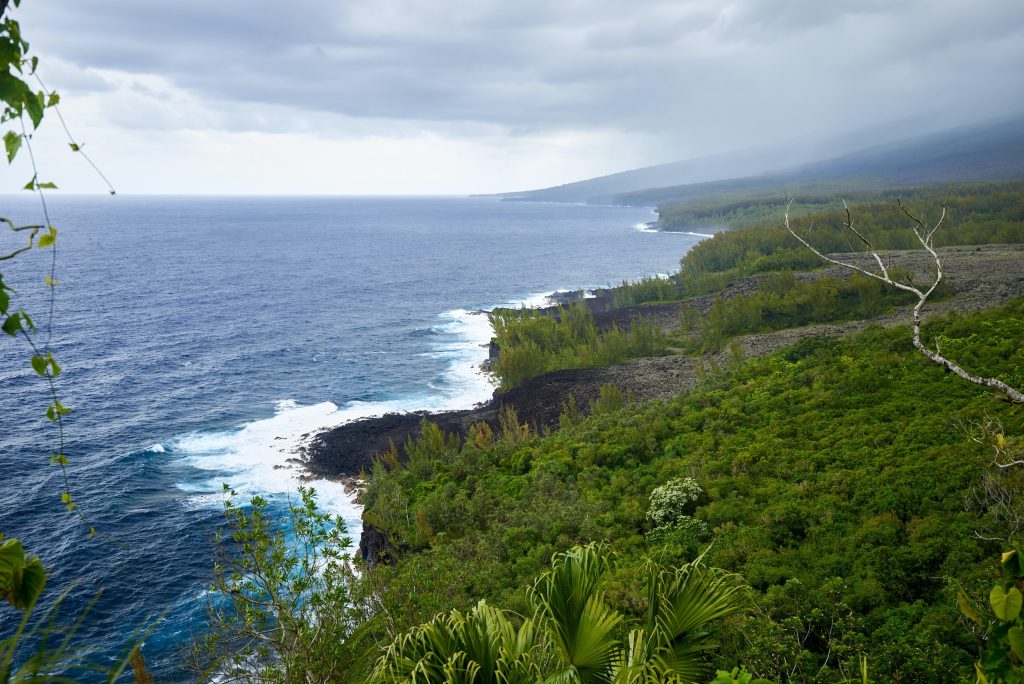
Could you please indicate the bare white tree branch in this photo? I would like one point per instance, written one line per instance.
(925, 236)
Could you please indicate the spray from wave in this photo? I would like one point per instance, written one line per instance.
(265, 457)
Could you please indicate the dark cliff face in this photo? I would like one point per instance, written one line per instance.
(375, 547)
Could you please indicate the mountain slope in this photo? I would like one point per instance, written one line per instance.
(986, 151)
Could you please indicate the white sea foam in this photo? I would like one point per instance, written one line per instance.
(536, 301)
(650, 228)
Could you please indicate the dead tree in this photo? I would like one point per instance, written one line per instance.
(925, 236)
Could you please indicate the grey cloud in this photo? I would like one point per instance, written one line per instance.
(693, 73)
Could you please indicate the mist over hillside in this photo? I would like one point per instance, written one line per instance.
(992, 150)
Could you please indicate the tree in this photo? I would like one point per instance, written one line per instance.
(280, 607)
(925, 234)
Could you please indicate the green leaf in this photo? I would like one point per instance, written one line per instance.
(31, 185)
(12, 141)
(965, 608)
(47, 185)
(54, 366)
(1016, 637)
(52, 100)
(22, 576)
(34, 107)
(39, 365)
(12, 325)
(1013, 564)
(75, 147)
(1005, 604)
(49, 237)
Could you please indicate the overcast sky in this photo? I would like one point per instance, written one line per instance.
(453, 97)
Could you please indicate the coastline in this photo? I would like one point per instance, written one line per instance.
(983, 276)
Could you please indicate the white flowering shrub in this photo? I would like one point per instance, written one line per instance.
(671, 511)
(674, 500)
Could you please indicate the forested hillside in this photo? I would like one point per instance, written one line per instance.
(849, 481)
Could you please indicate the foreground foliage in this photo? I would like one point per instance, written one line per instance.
(575, 635)
(280, 607)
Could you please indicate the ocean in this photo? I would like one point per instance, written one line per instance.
(203, 339)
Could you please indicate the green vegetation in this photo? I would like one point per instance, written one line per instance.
(40, 647)
(532, 342)
(978, 214)
(746, 209)
(575, 634)
(781, 301)
(1002, 659)
(645, 290)
(836, 481)
(44, 648)
(849, 481)
(282, 610)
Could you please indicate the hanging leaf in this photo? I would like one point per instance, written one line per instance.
(1016, 637)
(965, 608)
(34, 106)
(48, 238)
(1013, 564)
(39, 365)
(13, 324)
(1005, 604)
(22, 577)
(12, 141)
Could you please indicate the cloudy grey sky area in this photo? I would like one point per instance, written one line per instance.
(417, 97)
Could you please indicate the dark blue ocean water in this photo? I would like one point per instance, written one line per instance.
(202, 338)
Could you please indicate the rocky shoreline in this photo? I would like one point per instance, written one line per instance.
(979, 278)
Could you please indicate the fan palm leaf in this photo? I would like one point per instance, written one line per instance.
(481, 646)
(580, 624)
